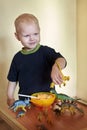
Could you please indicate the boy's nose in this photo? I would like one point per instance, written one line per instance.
(31, 37)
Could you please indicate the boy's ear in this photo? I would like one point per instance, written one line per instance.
(17, 37)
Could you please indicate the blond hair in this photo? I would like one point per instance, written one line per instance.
(25, 18)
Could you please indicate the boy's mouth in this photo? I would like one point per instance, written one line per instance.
(32, 43)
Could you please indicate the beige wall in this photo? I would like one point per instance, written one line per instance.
(82, 49)
(58, 29)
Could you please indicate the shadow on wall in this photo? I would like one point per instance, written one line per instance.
(3, 66)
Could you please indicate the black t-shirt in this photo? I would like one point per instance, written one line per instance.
(32, 70)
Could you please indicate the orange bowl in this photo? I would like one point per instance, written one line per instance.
(44, 99)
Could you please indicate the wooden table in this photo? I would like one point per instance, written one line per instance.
(30, 122)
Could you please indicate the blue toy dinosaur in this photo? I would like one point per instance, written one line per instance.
(20, 105)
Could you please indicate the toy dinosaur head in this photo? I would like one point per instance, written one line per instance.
(27, 101)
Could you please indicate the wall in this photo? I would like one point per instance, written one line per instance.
(58, 29)
(82, 49)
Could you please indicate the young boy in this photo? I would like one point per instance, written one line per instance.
(34, 66)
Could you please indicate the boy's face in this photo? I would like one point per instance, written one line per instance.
(29, 35)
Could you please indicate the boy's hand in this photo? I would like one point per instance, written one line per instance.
(10, 101)
(56, 75)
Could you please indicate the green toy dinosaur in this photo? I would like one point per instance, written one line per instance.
(64, 102)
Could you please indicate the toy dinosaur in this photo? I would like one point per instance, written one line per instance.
(64, 78)
(64, 102)
(63, 97)
(41, 127)
(62, 107)
(21, 106)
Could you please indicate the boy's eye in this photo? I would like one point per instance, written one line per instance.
(26, 35)
(36, 34)
(30, 35)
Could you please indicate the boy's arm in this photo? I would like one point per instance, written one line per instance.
(62, 62)
(10, 92)
(55, 73)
